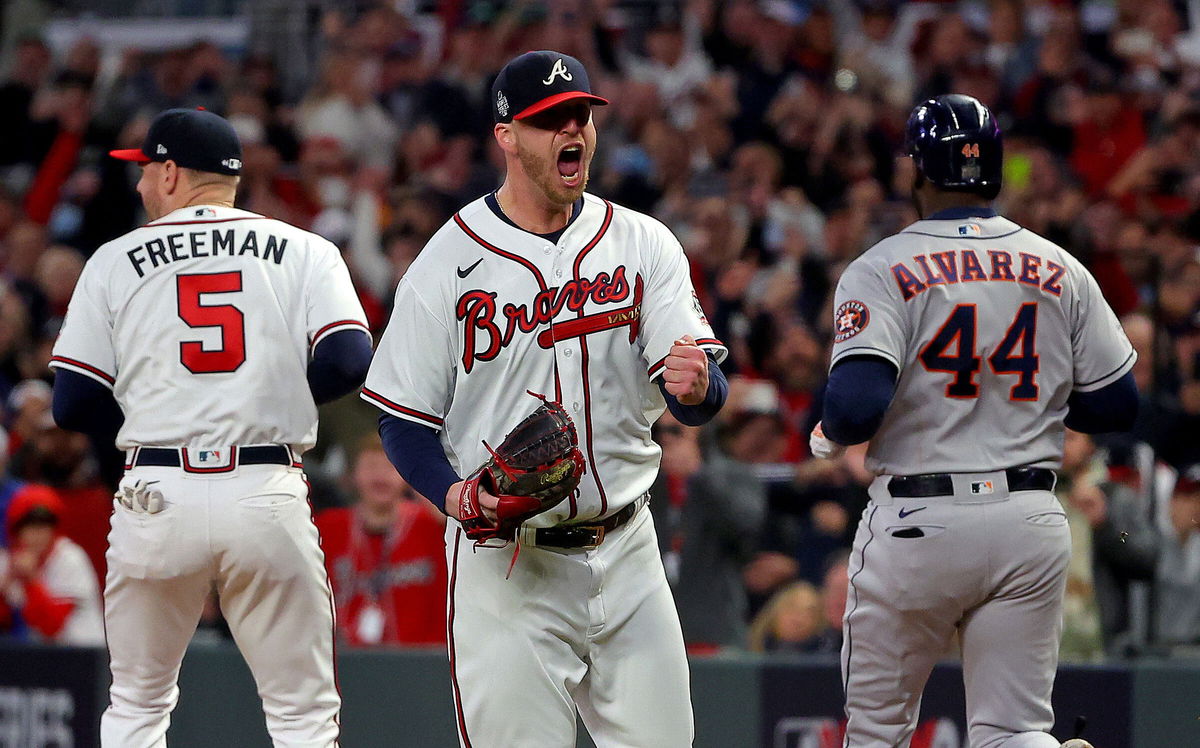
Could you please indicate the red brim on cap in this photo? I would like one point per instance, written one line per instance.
(555, 100)
(131, 154)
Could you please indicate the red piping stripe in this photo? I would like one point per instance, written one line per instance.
(608, 214)
(215, 220)
(337, 686)
(537, 274)
(503, 253)
(87, 367)
(458, 707)
(339, 323)
(400, 408)
(583, 366)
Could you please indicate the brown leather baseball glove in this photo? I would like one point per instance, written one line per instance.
(536, 466)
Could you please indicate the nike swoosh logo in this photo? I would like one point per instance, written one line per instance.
(464, 273)
(905, 512)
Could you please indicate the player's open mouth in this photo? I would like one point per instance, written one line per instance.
(570, 162)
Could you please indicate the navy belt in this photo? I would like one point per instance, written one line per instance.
(941, 484)
(584, 536)
(266, 454)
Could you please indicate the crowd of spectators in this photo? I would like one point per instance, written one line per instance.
(764, 133)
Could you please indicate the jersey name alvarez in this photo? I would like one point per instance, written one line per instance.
(208, 242)
(923, 271)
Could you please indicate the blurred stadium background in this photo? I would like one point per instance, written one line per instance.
(764, 133)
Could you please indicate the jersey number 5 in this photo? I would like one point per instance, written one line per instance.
(1016, 353)
(229, 318)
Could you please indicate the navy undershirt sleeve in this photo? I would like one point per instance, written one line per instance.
(857, 395)
(703, 412)
(416, 453)
(1110, 408)
(82, 404)
(339, 364)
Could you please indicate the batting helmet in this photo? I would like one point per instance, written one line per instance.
(956, 144)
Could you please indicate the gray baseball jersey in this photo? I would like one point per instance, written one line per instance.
(991, 328)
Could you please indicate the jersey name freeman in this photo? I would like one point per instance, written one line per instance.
(216, 242)
(966, 265)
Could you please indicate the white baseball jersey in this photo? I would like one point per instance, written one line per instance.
(488, 311)
(991, 328)
(202, 322)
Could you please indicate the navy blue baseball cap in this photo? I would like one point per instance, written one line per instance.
(192, 138)
(536, 81)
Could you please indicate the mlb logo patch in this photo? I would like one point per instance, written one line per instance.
(981, 487)
(970, 229)
(218, 460)
(205, 213)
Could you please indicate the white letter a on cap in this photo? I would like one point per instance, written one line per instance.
(560, 68)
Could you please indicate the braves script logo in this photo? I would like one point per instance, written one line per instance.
(559, 69)
(488, 328)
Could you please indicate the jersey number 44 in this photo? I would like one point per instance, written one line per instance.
(953, 350)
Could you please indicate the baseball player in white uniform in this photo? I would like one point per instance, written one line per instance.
(213, 330)
(961, 346)
(541, 287)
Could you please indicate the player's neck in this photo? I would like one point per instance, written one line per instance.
(528, 208)
(935, 201)
(200, 196)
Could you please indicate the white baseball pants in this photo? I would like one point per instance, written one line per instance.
(594, 630)
(250, 533)
(991, 568)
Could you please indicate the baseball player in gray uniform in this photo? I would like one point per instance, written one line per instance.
(962, 345)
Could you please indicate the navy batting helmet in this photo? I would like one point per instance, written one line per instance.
(956, 144)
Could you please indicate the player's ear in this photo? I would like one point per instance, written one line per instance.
(506, 137)
(171, 176)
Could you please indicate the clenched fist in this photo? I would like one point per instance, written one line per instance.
(686, 373)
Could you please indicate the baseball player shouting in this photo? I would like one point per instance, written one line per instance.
(207, 337)
(544, 288)
(962, 345)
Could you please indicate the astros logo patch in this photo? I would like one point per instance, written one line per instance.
(851, 318)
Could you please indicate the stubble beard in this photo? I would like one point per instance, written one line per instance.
(545, 175)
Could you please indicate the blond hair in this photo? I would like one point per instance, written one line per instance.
(763, 625)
